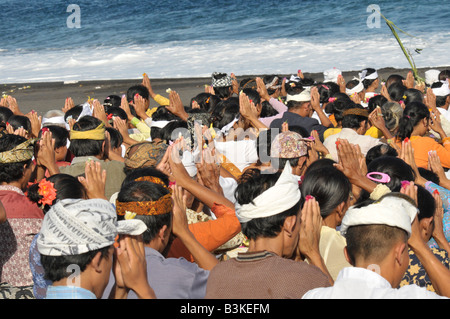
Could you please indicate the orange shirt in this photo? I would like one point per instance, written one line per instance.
(210, 234)
(423, 144)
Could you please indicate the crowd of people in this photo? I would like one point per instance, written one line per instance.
(266, 187)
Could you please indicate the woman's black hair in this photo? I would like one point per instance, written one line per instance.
(137, 89)
(206, 101)
(17, 121)
(117, 111)
(112, 101)
(251, 184)
(425, 203)
(267, 110)
(338, 107)
(5, 114)
(327, 90)
(412, 95)
(412, 114)
(329, 186)
(224, 113)
(115, 137)
(73, 113)
(171, 131)
(67, 186)
(161, 114)
(380, 150)
(376, 101)
(253, 95)
(429, 175)
(396, 91)
(395, 168)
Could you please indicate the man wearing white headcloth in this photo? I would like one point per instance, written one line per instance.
(300, 109)
(268, 207)
(378, 234)
(441, 90)
(77, 242)
(370, 79)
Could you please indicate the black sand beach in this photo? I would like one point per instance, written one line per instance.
(46, 96)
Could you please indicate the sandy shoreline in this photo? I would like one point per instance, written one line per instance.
(45, 96)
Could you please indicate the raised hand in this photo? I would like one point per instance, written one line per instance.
(95, 180)
(131, 266)
(409, 82)
(36, 122)
(99, 112)
(68, 104)
(176, 106)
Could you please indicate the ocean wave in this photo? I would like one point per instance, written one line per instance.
(179, 59)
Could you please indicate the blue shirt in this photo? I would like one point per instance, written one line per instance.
(170, 278)
(69, 292)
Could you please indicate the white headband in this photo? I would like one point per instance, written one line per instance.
(277, 199)
(391, 211)
(331, 75)
(159, 124)
(363, 75)
(304, 96)
(356, 89)
(54, 120)
(444, 90)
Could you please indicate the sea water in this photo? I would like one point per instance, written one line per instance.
(100, 40)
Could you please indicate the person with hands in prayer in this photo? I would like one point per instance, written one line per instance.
(213, 233)
(163, 211)
(275, 226)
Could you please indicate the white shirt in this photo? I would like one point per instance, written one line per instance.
(360, 283)
(241, 153)
(365, 142)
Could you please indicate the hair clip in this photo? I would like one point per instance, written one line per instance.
(385, 178)
(405, 184)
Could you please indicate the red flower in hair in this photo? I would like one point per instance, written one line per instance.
(47, 191)
(110, 116)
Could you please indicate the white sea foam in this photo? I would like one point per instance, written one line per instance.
(201, 58)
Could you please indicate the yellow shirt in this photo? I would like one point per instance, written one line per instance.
(331, 248)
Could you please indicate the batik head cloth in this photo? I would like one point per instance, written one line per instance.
(77, 226)
(21, 153)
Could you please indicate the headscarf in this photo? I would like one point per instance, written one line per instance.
(389, 210)
(77, 226)
(145, 154)
(284, 195)
(97, 134)
(21, 153)
(222, 82)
